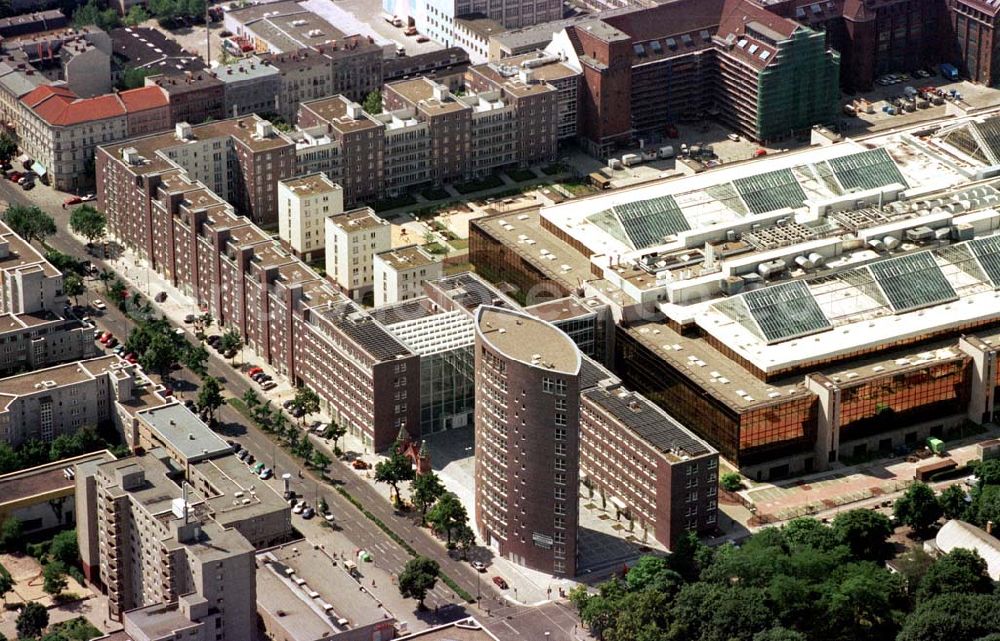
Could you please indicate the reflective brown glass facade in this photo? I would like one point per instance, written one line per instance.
(898, 399)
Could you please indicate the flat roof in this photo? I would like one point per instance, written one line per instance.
(505, 68)
(184, 431)
(144, 47)
(302, 581)
(525, 338)
(480, 25)
(335, 111)
(35, 382)
(420, 92)
(229, 477)
(21, 254)
(408, 257)
(311, 184)
(47, 479)
(562, 309)
(523, 233)
(360, 219)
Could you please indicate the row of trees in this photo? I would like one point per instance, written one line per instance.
(440, 509)
(36, 452)
(274, 421)
(804, 581)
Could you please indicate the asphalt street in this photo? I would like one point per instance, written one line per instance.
(506, 620)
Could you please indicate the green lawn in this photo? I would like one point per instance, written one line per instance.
(435, 193)
(489, 182)
(404, 200)
(521, 175)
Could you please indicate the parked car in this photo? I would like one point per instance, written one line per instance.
(266, 473)
(268, 385)
(167, 391)
(120, 350)
(308, 513)
(478, 566)
(160, 297)
(111, 342)
(254, 370)
(105, 337)
(358, 464)
(242, 454)
(28, 185)
(99, 305)
(287, 404)
(297, 507)
(328, 517)
(72, 200)
(189, 318)
(250, 459)
(500, 583)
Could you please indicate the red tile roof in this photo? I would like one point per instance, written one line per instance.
(60, 107)
(668, 19)
(144, 98)
(737, 13)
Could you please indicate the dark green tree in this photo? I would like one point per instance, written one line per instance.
(779, 634)
(731, 481)
(419, 576)
(319, 460)
(953, 617)
(32, 620)
(12, 535)
(913, 566)
(65, 549)
(865, 533)
(808, 531)
(136, 15)
(960, 571)
(306, 400)
(73, 286)
(88, 222)
(231, 342)
(953, 502)
(210, 396)
(988, 472)
(195, 357)
(918, 507)
(29, 222)
(654, 573)
(251, 400)
(54, 578)
(394, 470)
(160, 354)
(8, 148)
(447, 516)
(93, 13)
(373, 103)
(424, 490)
(336, 431)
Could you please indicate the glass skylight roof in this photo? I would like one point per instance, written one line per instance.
(912, 281)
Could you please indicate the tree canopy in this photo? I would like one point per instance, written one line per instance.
(918, 507)
(29, 222)
(88, 222)
(418, 577)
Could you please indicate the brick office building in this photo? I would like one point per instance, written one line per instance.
(527, 439)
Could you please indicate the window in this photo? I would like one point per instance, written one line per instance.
(555, 386)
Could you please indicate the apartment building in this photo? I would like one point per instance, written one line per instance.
(80, 59)
(360, 142)
(406, 150)
(527, 436)
(518, 76)
(35, 22)
(164, 561)
(194, 97)
(400, 273)
(445, 66)
(250, 86)
(973, 26)
(292, 318)
(47, 403)
(304, 202)
(60, 131)
(352, 240)
(241, 160)
(33, 330)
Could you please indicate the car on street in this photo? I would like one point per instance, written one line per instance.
(72, 200)
(298, 507)
(105, 337)
(111, 342)
(268, 385)
(328, 517)
(500, 583)
(99, 305)
(308, 513)
(478, 566)
(358, 464)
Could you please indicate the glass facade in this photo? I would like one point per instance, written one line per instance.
(447, 390)
(778, 430)
(904, 398)
(588, 334)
